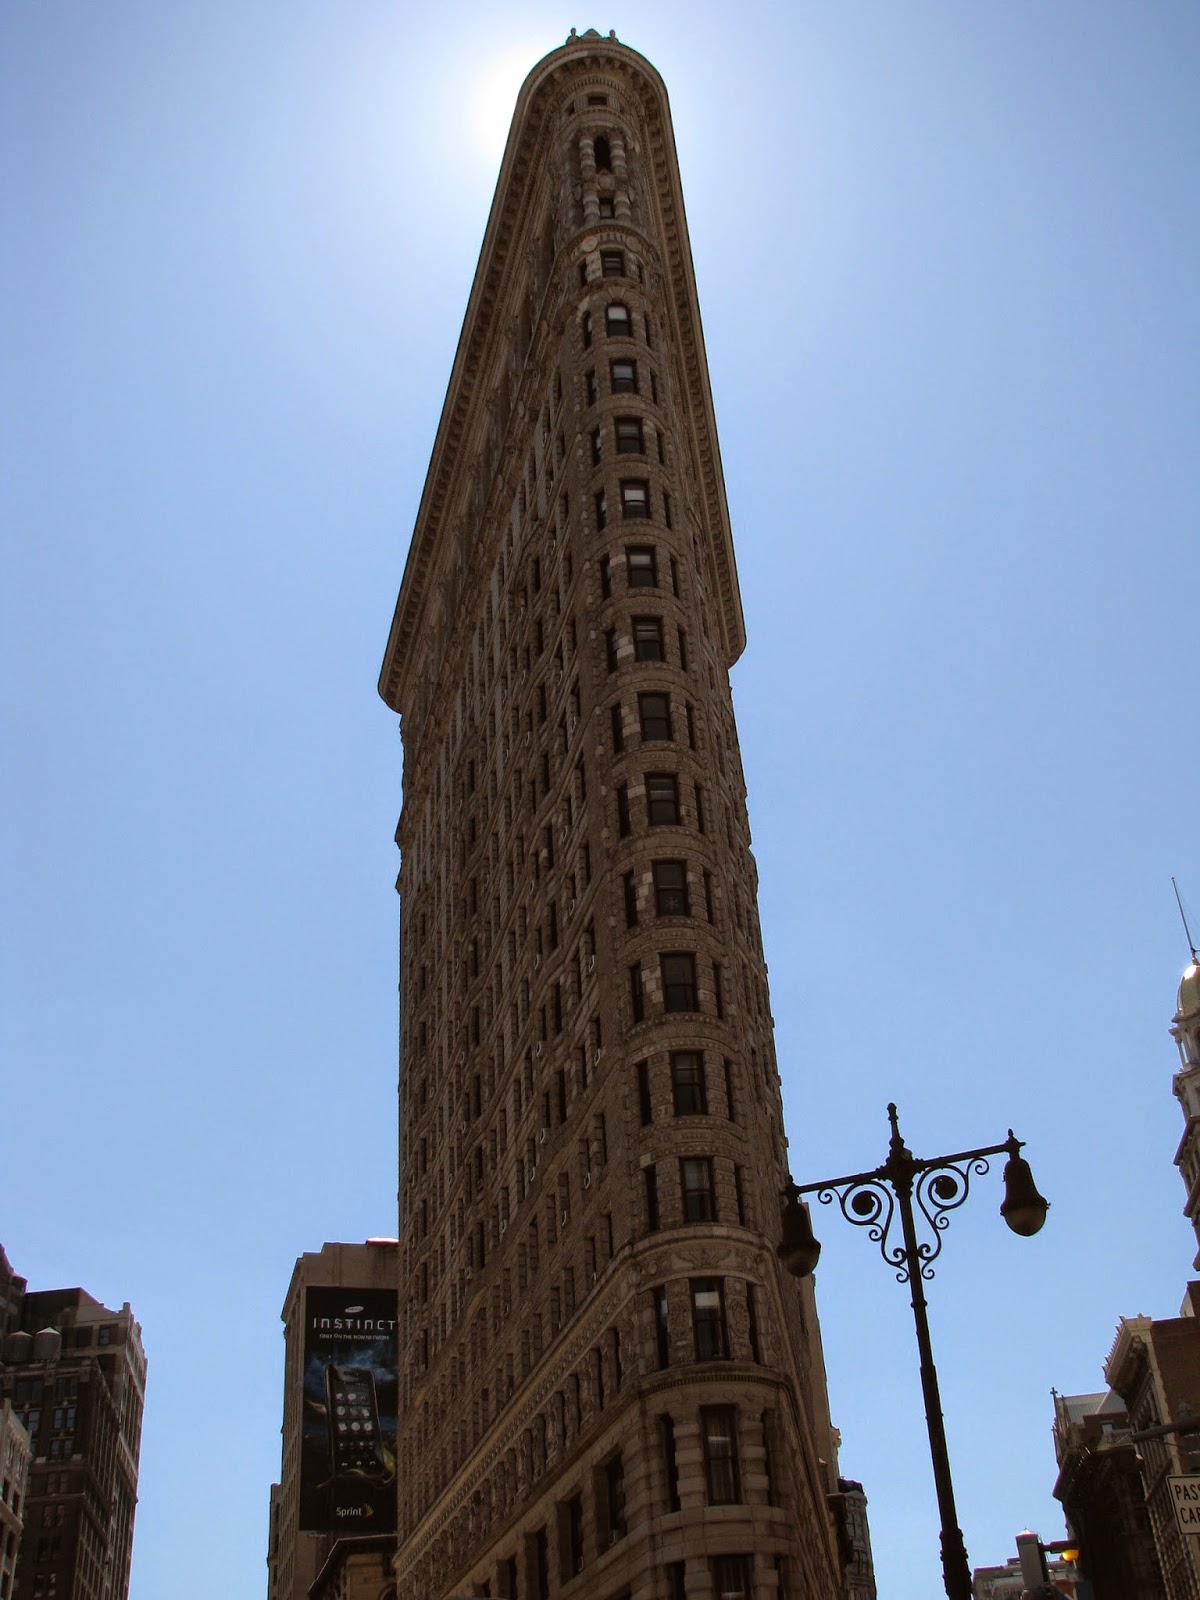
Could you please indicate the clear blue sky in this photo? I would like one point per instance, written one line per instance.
(947, 256)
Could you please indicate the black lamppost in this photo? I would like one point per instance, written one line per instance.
(870, 1200)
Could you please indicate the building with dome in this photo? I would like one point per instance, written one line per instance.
(609, 1387)
(1122, 1455)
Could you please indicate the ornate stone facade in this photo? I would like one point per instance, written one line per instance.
(611, 1388)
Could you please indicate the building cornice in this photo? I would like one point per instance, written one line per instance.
(588, 60)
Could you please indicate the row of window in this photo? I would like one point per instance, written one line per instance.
(618, 323)
(622, 379)
(698, 1194)
(635, 503)
(677, 969)
(641, 570)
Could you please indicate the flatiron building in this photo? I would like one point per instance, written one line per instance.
(608, 1387)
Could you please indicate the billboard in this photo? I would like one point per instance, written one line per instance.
(348, 1428)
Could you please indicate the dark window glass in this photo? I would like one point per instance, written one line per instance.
(648, 639)
(708, 1319)
(603, 156)
(628, 432)
(718, 1434)
(696, 1182)
(596, 446)
(575, 1532)
(662, 799)
(585, 327)
(641, 566)
(670, 1466)
(670, 889)
(637, 1003)
(617, 324)
(618, 731)
(610, 654)
(608, 206)
(631, 907)
(731, 1578)
(605, 577)
(623, 825)
(676, 1581)
(612, 263)
(645, 1108)
(654, 713)
(662, 1328)
(590, 385)
(650, 1179)
(679, 982)
(624, 377)
(635, 497)
(687, 1083)
(601, 510)
(614, 1496)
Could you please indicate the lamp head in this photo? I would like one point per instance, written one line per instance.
(799, 1251)
(1023, 1208)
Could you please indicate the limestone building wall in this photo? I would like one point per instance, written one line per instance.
(611, 1387)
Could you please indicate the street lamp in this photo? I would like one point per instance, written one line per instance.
(870, 1200)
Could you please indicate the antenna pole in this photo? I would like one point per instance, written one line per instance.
(1183, 918)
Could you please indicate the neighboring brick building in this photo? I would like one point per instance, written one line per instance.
(75, 1373)
(14, 1483)
(610, 1386)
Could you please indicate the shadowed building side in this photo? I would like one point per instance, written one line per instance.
(608, 1384)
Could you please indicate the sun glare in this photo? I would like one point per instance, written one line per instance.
(493, 97)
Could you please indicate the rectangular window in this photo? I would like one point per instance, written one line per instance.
(662, 799)
(610, 648)
(623, 376)
(718, 992)
(679, 981)
(589, 384)
(667, 509)
(731, 1578)
(623, 823)
(676, 1582)
(699, 809)
(648, 639)
(596, 447)
(654, 714)
(629, 436)
(645, 1108)
(650, 1178)
(618, 731)
(696, 1183)
(670, 1465)
(683, 654)
(718, 1435)
(708, 896)
(670, 889)
(601, 510)
(585, 327)
(612, 263)
(637, 1003)
(635, 497)
(617, 324)
(708, 1319)
(740, 1195)
(575, 1534)
(631, 906)
(641, 567)
(605, 577)
(608, 206)
(687, 1083)
(662, 1327)
(614, 1497)
(752, 1323)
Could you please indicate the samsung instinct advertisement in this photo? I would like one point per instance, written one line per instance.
(348, 1436)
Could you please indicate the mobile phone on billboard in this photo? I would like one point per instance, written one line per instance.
(355, 1439)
